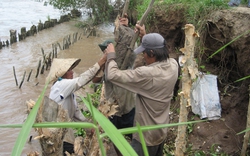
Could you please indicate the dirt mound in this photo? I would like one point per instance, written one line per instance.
(230, 64)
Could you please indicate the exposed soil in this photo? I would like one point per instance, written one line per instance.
(229, 65)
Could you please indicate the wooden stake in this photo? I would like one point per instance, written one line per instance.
(53, 55)
(14, 71)
(59, 45)
(38, 68)
(42, 69)
(55, 52)
(43, 54)
(29, 75)
(247, 134)
(189, 73)
(22, 80)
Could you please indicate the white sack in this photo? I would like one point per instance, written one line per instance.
(205, 97)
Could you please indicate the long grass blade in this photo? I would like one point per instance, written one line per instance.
(116, 137)
(64, 125)
(97, 130)
(223, 47)
(151, 127)
(54, 125)
(244, 78)
(144, 147)
(23, 134)
(246, 130)
(11, 126)
(91, 125)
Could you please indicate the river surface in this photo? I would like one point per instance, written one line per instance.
(24, 56)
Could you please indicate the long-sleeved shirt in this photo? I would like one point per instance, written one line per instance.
(153, 85)
(62, 92)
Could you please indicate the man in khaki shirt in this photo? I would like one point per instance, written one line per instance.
(153, 85)
(124, 117)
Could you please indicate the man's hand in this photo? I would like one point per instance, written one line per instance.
(103, 60)
(123, 20)
(110, 48)
(141, 30)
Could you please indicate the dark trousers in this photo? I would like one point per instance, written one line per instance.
(152, 150)
(68, 147)
(124, 121)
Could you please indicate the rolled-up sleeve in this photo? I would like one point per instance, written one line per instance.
(110, 57)
(87, 76)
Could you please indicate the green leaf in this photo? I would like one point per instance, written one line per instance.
(246, 130)
(23, 134)
(244, 78)
(89, 103)
(54, 125)
(202, 67)
(152, 127)
(116, 137)
(12, 126)
(223, 47)
(144, 146)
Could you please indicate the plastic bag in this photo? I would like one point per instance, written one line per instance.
(205, 97)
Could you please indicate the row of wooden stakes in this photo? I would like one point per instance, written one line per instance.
(46, 61)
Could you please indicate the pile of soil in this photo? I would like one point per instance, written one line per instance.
(231, 64)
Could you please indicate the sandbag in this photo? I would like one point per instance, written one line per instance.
(205, 100)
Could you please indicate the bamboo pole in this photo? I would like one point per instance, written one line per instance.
(38, 68)
(63, 46)
(53, 55)
(90, 33)
(80, 36)
(75, 37)
(132, 44)
(44, 61)
(22, 80)
(42, 69)
(189, 73)
(59, 45)
(247, 134)
(43, 54)
(14, 71)
(55, 52)
(49, 60)
(29, 75)
(125, 9)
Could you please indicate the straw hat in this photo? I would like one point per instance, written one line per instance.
(60, 66)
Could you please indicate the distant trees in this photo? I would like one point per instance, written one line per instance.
(101, 10)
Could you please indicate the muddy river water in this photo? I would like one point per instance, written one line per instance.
(24, 56)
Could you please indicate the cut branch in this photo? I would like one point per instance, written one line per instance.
(132, 44)
(125, 9)
(189, 72)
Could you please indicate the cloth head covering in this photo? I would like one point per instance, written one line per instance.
(104, 45)
(150, 41)
(60, 66)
